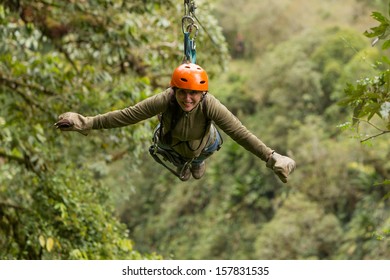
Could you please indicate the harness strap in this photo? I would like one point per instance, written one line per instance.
(188, 26)
(189, 48)
(153, 153)
(169, 156)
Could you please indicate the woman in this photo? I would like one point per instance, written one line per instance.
(186, 131)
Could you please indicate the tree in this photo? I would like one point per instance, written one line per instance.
(300, 230)
(88, 57)
(370, 96)
(287, 95)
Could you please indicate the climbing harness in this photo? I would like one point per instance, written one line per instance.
(155, 150)
(168, 154)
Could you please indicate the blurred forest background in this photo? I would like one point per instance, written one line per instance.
(299, 74)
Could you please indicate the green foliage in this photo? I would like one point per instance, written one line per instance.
(268, 23)
(370, 95)
(66, 196)
(381, 31)
(286, 91)
(88, 57)
(300, 230)
(60, 216)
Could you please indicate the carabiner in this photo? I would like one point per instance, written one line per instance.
(189, 29)
(184, 20)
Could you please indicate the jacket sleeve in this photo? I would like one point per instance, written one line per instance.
(143, 110)
(232, 126)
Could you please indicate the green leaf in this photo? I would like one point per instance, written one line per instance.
(16, 153)
(42, 241)
(2, 12)
(49, 244)
(356, 113)
(386, 45)
(385, 182)
(379, 17)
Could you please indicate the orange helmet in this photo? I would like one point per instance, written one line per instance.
(190, 76)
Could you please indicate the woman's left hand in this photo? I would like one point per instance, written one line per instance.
(281, 165)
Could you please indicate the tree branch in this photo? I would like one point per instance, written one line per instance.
(25, 161)
(382, 131)
(374, 136)
(67, 56)
(11, 157)
(12, 83)
(11, 205)
(30, 101)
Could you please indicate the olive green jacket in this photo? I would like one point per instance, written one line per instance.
(192, 130)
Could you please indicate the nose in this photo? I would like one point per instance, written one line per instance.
(187, 96)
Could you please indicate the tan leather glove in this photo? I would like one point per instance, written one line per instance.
(281, 165)
(74, 122)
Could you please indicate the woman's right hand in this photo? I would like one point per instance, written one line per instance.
(74, 122)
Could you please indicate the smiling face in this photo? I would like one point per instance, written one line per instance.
(188, 99)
